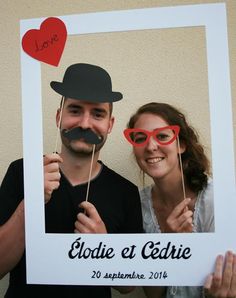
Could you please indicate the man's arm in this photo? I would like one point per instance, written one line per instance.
(12, 240)
(12, 232)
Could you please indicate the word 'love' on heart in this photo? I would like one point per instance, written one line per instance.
(47, 43)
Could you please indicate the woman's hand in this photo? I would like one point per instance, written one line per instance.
(181, 218)
(222, 283)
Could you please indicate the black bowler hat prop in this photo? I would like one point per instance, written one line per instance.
(86, 82)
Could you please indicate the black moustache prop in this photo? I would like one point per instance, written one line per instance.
(86, 134)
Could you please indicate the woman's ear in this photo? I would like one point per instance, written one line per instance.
(182, 147)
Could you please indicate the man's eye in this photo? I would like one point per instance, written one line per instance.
(98, 115)
(74, 111)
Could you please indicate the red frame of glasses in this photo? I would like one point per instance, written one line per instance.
(153, 133)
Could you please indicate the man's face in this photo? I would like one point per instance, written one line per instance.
(86, 115)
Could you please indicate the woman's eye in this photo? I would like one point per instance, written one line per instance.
(162, 136)
(140, 138)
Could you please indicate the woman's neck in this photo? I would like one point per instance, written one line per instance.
(171, 190)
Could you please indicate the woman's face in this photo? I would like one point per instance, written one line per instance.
(157, 161)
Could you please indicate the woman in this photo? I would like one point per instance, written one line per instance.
(167, 149)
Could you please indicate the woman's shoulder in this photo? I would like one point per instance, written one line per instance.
(204, 209)
(206, 195)
(145, 193)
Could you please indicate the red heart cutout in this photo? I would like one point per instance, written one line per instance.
(47, 43)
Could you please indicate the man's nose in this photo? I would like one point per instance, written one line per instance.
(85, 121)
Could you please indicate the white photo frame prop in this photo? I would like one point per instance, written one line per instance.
(126, 259)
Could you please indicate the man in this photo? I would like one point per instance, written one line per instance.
(113, 205)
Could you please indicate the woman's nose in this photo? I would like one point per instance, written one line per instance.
(152, 144)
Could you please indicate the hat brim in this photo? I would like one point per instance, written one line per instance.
(90, 96)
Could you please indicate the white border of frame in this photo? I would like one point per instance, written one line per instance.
(47, 254)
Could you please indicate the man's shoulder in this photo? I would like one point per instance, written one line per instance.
(15, 168)
(18, 163)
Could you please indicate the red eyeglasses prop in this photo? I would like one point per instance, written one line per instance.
(163, 135)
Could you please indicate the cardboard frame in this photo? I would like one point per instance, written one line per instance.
(47, 254)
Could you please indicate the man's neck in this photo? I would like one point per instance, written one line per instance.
(76, 168)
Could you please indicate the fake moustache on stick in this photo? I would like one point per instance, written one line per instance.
(78, 133)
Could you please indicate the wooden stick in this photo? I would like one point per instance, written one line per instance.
(59, 124)
(90, 173)
(181, 167)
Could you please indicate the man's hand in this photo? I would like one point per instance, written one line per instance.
(90, 221)
(181, 218)
(51, 174)
(222, 283)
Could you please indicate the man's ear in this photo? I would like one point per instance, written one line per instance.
(58, 116)
(111, 123)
